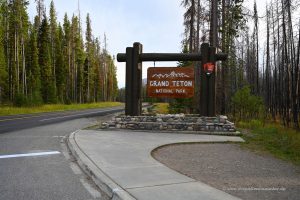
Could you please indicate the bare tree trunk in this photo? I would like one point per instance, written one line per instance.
(223, 89)
(24, 68)
(275, 84)
(192, 26)
(214, 24)
(267, 73)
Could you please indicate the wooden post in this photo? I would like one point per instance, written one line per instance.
(133, 94)
(129, 81)
(212, 85)
(203, 81)
(207, 83)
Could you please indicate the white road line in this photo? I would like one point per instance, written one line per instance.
(42, 120)
(30, 154)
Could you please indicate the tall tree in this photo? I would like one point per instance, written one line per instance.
(189, 22)
(33, 68)
(67, 55)
(88, 45)
(53, 40)
(40, 8)
(255, 36)
(48, 88)
(18, 33)
(61, 66)
(46, 62)
(3, 68)
(77, 60)
(232, 22)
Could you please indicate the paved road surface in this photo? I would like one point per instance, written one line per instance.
(34, 162)
(18, 122)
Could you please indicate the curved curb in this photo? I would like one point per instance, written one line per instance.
(104, 182)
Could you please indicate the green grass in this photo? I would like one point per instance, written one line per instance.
(10, 110)
(283, 143)
(161, 108)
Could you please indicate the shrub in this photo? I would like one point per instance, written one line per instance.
(247, 106)
(20, 100)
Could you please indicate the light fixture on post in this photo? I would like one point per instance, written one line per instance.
(209, 68)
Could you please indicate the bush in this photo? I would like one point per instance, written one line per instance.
(247, 106)
(252, 124)
(20, 100)
(180, 106)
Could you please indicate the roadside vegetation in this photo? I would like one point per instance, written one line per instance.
(10, 110)
(47, 61)
(280, 141)
(161, 108)
(261, 133)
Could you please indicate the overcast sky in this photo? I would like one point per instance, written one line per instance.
(157, 24)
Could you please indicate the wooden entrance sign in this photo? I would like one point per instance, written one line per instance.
(134, 57)
(171, 82)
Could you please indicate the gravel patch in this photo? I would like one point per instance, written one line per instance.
(236, 171)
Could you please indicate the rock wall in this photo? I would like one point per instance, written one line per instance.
(178, 122)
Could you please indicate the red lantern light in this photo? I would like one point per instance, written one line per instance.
(209, 68)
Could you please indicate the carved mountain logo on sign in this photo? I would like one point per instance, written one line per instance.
(171, 75)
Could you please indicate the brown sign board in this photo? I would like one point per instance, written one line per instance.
(170, 82)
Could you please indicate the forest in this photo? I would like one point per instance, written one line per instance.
(47, 61)
(263, 64)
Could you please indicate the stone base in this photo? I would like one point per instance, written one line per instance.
(178, 122)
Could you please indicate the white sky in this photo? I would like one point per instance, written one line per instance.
(157, 24)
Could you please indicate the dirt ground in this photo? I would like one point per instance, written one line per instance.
(234, 170)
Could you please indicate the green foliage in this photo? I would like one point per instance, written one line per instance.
(43, 62)
(247, 106)
(3, 69)
(282, 142)
(161, 108)
(61, 70)
(181, 105)
(48, 87)
(3, 74)
(33, 70)
(20, 100)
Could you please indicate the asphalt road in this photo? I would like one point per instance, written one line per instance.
(35, 163)
(18, 122)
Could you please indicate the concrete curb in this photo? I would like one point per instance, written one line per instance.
(104, 182)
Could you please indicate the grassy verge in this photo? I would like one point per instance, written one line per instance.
(9, 110)
(283, 143)
(161, 108)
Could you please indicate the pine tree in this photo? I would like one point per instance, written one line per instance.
(16, 39)
(77, 60)
(44, 62)
(61, 70)
(53, 40)
(98, 71)
(189, 22)
(33, 68)
(88, 61)
(255, 36)
(40, 8)
(3, 69)
(67, 57)
(48, 88)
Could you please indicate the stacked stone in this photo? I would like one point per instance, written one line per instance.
(178, 122)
